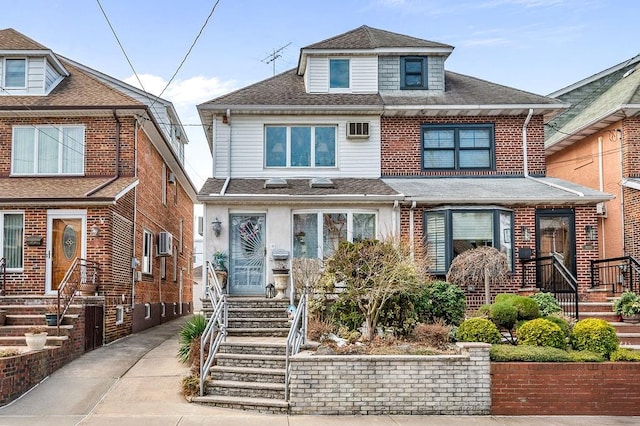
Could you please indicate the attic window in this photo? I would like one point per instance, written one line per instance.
(275, 183)
(15, 73)
(321, 182)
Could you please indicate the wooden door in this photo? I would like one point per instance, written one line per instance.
(66, 246)
(93, 327)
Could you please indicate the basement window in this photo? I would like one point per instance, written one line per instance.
(119, 314)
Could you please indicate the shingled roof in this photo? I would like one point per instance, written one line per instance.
(11, 39)
(366, 37)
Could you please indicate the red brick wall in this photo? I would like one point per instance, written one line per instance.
(631, 146)
(601, 389)
(401, 145)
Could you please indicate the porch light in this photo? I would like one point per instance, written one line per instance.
(95, 230)
(217, 226)
(590, 230)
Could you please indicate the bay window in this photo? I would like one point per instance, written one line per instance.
(451, 232)
(48, 150)
(317, 234)
(300, 146)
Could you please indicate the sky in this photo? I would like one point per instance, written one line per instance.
(535, 45)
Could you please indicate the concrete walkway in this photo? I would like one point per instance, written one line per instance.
(136, 381)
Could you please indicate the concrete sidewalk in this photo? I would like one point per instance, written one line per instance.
(136, 381)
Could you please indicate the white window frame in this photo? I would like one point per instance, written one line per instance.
(147, 252)
(2, 216)
(119, 314)
(312, 160)
(26, 73)
(339, 89)
(36, 133)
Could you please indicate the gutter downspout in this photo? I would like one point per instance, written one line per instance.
(226, 182)
(624, 248)
(394, 221)
(411, 229)
(135, 214)
(525, 161)
(601, 186)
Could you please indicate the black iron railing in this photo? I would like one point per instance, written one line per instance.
(616, 274)
(550, 275)
(3, 271)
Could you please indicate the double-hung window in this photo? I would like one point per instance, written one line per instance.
(147, 251)
(458, 147)
(48, 150)
(15, 73)
(300, 146)
(339, 74)
(451, 232)
(413, 72)
(12, 239)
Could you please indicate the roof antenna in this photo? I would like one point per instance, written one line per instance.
(271, 57)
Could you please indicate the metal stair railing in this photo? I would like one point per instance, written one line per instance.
(295, 339)
(216, 330)
(549, 274)
(82, 272)
(619, 274)
(3, 270)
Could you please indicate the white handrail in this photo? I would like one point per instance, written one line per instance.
(295, 339)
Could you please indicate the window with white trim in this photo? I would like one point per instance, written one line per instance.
(15, 73)
(450, 232)
(12, 228)
(147, 251)
(317, 234)
(48, 150)
(339, 74)
(300, 146)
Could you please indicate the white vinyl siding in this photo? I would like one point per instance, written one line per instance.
(359, 158)
(34, 78)
(52, 77)
(363, 74)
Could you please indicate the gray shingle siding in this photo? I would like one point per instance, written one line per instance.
(435, 66)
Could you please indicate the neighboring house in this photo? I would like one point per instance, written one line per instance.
(596, 143)
(370, 136)
(92, 168)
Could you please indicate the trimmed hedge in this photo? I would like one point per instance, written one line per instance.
(595, 335)
(541, 332)
(509, 353)
(624, 354)
(478, 330)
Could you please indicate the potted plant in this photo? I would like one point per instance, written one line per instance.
(628, 307)
(219, 262)
(36, 337)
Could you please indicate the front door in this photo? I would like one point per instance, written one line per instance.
(65, 244)
(555, 234)
(247, 255)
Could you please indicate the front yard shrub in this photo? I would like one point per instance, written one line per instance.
(345, 313)
(504, 315)
(437, 335)
(561, 322)
(190, 386)
(541, 332)
(189, 349)
(478, 330)
(547, 303)
(440, 300)
(399, 315)
(507, 353)
(527, 308)
(594, 335)
(624, 354)
(585, 356)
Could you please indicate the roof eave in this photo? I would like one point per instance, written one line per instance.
(497, 109)
(41, 52)
(291, 109)
(533, 201)
(323, 199)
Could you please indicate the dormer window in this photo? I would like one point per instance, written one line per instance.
(338, 73)
(413, 70)
(15, 73)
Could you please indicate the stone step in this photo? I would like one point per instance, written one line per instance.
(259, 332)
(625, 327)
(36, 319)
(257, 313)
(261, 405)
(254, 348)
(257, 302)
(250, 360)
(595, 307)
(20, 340)
(19, 330)
(248, 374)
(607, 316)
(245, 389)
(259, 322)
(629, 338)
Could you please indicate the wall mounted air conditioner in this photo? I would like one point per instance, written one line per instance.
(165, 243)
(601, 209)
(358, 130)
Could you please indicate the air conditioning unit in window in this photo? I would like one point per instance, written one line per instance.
(165, 242)
(601, 209)
(358, 130)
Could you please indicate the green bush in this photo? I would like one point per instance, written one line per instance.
(440, 300)
(585, 356)
(483, 311)
(506, 353)
(346, 313)
(541, 332)
(478, 330)
(594, 335)
(190, 332)
(547, 303)
(527, 308)
(503, 315)
(399, 315)
(624, 354)
(561, 322)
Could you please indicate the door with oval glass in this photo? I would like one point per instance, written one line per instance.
(65, 246)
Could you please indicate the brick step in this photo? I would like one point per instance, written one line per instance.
(20, 340)
(625, 327)
(607, 316)
(254, 348)
(245, 389)
(259, 322)
(629, 338)
(261, 405)
(259, 332)
(247, 374)
(595, 307)
(257, 313)
(19, 330)
(250, 360)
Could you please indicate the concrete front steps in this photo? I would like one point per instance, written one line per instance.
(249, 369)
(628, 334)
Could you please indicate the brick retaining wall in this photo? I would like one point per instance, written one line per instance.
(354, 384)
(603, 389)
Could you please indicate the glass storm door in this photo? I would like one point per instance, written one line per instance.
(556, 235)
(247, 255)
(66, 245)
